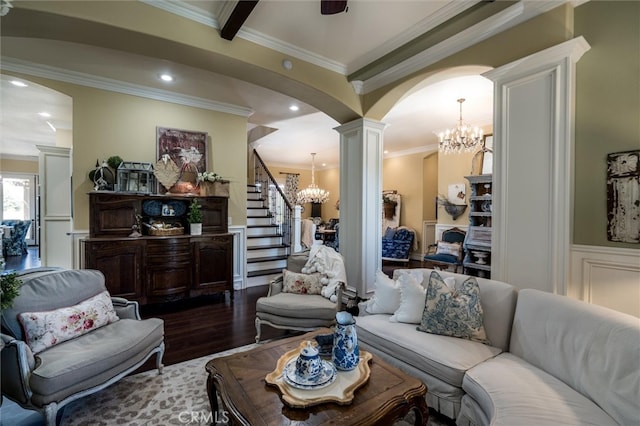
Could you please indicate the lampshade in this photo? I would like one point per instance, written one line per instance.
(460, 138)
(312, 193)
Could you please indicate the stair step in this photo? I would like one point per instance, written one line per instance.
(267, 259)
(261, 240)
(259, 221)
(262, 277)
(263, 231)
(265, 272)
(257, 252)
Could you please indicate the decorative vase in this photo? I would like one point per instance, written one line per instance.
(195, 228)
(346, 353)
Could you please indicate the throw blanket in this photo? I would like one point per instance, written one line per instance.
(329, 263)
(308, 229)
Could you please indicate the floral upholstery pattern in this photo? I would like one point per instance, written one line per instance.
(399, 246)
(456, 313)
(14, 243)
(293, 282)
(43, 330)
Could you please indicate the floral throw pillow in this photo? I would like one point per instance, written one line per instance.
(43, 330)
(293, 282)
(456, 313)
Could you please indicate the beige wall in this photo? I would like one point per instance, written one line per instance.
(607, 109)
(18, 166)
(108, 123)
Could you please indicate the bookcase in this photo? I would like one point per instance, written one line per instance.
(477, 243)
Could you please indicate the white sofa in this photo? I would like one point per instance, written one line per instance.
(552, 360)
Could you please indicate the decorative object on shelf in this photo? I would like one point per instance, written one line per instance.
(188, 150)
(346, 353)
(136, 177)
(389, 203)
(623, 187)
(481, 257)
(9, 289)
(136, 228)
(194, 217)
(461, 138)
(102, 177)
(211, 183)
(164, 229)
(166, 172)
(454, 210)
(312, 193)
(482, 161)
(114, 162)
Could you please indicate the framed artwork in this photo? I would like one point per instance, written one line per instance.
(188, 150)
(487, 158)
(623, 193)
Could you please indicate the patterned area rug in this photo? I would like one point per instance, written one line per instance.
(177, 397)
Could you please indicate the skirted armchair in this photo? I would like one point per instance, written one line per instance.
(98, 340)
(14, 243)
(295, 301)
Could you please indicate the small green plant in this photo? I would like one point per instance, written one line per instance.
(195, 215)
(114, 162)
(9, 289)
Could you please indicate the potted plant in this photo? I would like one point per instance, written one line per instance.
(195, 217)
(213, 184)
(9, 289)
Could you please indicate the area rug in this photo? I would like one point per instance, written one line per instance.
(177, 397)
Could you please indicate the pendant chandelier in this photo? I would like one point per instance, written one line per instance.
(461, 138)
(313, 194)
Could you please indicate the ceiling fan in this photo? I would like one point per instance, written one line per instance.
(331, 7)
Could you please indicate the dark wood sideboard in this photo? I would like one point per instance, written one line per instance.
(153, 269)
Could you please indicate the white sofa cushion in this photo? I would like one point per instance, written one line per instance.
(594, 350)
(512, 392)
(386, 298)
(446, 358)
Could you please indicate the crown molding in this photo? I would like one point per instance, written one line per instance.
(427, 149)
(88, 80)
(185, 10)
(17, 157)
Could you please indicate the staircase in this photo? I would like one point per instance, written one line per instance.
(266, 250)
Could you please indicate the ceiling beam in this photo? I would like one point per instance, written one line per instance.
(240, 13)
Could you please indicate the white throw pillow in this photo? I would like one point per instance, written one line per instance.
(386, 299)
(412, 297)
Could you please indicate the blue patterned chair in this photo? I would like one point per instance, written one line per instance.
(397, 244)
(448, 252)
(335, 243)
(15, 243)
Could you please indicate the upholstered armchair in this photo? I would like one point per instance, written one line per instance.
(297, 311)
(14, 243)
(104, 339)
(397, 244)
(448, 252)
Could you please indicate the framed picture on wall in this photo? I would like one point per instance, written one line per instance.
(487, 158)
(188, 150)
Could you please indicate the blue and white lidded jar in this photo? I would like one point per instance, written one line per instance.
(346, 354)
(308, 364)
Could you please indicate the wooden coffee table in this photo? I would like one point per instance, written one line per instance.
(239, 379)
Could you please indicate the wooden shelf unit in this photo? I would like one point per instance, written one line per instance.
(153, 269)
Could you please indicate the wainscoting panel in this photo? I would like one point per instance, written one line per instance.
(78, 248)
(239, 256)
(606, 276)
(443, 227)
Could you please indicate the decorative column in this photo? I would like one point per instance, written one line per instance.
(360, 202)
(533, 167)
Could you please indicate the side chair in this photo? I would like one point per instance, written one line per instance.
(448, 252)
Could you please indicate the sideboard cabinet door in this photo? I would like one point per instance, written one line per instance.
(213, 264)
(169, 270)
(121, 263)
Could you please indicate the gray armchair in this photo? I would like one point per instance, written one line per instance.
(299, 312)
(62, 373)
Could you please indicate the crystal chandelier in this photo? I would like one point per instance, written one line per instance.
(313, 194)
(461, 138)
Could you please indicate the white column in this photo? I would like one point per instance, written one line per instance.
(360, 202)
(297, 227)
(55, 192)
(533, 167)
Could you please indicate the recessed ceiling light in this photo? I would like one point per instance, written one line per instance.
(385, 151)
(324, 164)
(166, 77)
(18, 83)
(44, 114)
(294, 107)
